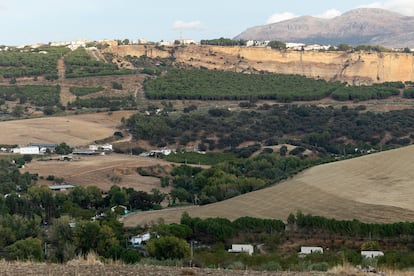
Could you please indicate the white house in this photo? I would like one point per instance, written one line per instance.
(241, 248)
(106, 147)
(136, 241)
(305, 250)
(371, 253)
(27, 150)
(93, 147)
(295, 46)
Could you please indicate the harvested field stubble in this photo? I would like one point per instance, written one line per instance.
(34, 269)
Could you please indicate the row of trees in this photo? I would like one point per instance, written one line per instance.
(352, 228)
(80, 64)
(31, 63)
(39, 95)
(223, 85)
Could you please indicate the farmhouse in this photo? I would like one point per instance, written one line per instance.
(27, 150)
(44, 146)
(242, 248)
(136, 241)
(105, 147)
(371, 253)
(61, 187)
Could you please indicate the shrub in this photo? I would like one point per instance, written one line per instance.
(322, 266)
(130, 256)
(271, 266)
(168, 247)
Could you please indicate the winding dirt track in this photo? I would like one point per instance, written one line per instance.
(373, 188)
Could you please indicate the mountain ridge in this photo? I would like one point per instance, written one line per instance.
(363, 26)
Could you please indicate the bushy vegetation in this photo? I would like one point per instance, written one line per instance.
(363, 93)
(80, 64)
(320, 129)
(408, 93)
(228, 179)
(39, 95)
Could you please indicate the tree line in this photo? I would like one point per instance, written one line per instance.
(204, 84)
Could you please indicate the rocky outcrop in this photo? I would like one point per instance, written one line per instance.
(356, 68)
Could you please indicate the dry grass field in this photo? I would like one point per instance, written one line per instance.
(85, 268)
(101, 171)
(40, 269)
(373, 188)
(75, 130)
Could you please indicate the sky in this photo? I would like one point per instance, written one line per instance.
(24, 22)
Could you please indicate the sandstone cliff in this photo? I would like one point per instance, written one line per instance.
(356, 68)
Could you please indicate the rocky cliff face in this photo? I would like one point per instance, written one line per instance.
(356, 68)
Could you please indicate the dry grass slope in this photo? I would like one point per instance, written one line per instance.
(373, 188)
(100, 170)
(74, 130)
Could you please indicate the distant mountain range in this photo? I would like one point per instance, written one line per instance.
(363, 26)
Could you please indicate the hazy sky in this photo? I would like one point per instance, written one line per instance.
(30, 21)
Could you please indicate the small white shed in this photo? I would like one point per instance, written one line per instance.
(242, 248)
(305, 250)
(371, 253)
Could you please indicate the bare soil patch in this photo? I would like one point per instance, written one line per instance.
(376, 188)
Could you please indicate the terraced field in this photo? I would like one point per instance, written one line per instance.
(374, 188)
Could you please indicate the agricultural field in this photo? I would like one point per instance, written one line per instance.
(373, 188)
(101, 171)
(75, 130)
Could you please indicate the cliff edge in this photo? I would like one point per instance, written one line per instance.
(355, 68)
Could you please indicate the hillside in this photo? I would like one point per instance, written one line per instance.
(76, 130)
(354, 68)
(372, 188)
(357, 27)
